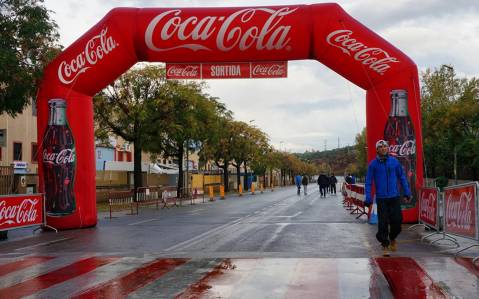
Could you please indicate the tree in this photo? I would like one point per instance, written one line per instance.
(450, 121)
(361, 153)
(29, 41)
(247, 143)
(217, 146)
(128, 108)
(186, 120)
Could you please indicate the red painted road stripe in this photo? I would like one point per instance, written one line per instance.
(47, 280)
(197, 289)
(467, 263)
(23, 263)
(121, 287)
(407, 279)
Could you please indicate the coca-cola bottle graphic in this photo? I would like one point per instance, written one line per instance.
(399, 133)
(58, 161)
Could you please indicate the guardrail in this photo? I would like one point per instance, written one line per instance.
(459, 205)
(18, 211)
(354, 199)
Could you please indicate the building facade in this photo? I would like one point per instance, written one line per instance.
(18, 140)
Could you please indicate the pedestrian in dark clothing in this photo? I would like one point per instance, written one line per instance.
(305, 183)
(297, 180)
(323, 183)
(333, 180)
(385, 171)
(349, 179)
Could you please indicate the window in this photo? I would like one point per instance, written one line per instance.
(17, 151)
(98, 155)
(3, 137)
(34, 107)
(120, 156)
(34, 152)
(128, 156)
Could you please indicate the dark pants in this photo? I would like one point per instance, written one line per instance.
(389, 219)
(333, 188)
(322, 190)
(299, 189)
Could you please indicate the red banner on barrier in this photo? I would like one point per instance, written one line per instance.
(20, 211)
(428, 203)
(227, 70)
(461, 210)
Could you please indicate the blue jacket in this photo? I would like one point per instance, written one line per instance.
(297, 180)
(386, 175)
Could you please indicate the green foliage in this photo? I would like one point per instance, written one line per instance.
(129, 108)
(450, 121)
(361, 155)
(335, 161)
(29, 41)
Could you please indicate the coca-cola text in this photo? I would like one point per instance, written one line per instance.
(458, 211)
(63, 157)
(191, 32)
(95, 50)
(376, 59)
(406, 149)
(22, 213)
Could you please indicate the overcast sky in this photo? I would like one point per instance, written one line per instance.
(314, 106)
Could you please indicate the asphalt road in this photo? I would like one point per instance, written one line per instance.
(272, 224)
(271, 245)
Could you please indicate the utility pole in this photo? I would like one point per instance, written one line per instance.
(455, 165)
(339, 144)
(325, 144)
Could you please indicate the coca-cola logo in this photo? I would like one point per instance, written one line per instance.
(274, 70)
(428, 206)
(408, 148)
(65, 156)
(25, 212)
(458, 212)
(376, 59)
(192, 32)
(95, 50)
(189, 71)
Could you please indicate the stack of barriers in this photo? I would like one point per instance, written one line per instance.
(146, 196)
(120, 200)
(353, 199)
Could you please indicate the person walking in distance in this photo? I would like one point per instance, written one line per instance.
(385, 171)
(332, 181)
(297, 180)
(323, 183)
(305, 183)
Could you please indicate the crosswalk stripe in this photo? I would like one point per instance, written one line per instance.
(467, 263)
(174, 282)
(408, 280)
(450, 274)
(122, 286)
(22, 264)
(22, 275)
(49, 279)
(93, 278)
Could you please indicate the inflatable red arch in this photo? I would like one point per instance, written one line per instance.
(324, 32)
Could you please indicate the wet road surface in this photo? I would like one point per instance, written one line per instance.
(271, 245)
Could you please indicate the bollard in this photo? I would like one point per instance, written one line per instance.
(222, 192)
(240, 190)
(261, 188)
(252, 188)
(211, 192)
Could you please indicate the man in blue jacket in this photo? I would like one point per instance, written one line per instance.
(297, 180)
(386, 172)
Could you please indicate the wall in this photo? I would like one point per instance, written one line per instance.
(103, 154)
